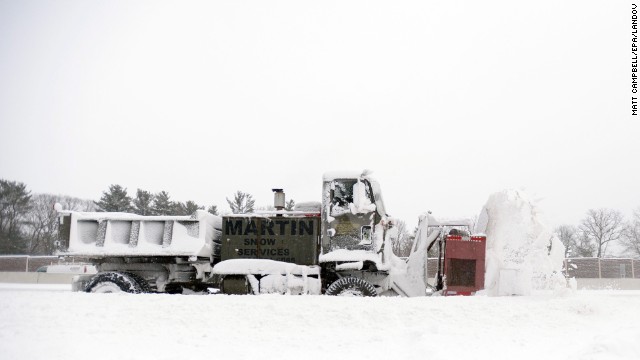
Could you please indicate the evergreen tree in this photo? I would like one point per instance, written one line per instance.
(190, 207)
(15, 203)
(213, 210)
(142, 202)
(162, 204)
(242, 203)
(178, 208)
(290, 205)
(114, 200)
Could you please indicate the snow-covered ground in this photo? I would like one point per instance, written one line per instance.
(51, 322)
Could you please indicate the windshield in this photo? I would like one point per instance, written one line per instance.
(343, 192)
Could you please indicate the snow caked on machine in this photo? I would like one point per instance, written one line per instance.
(339, 246)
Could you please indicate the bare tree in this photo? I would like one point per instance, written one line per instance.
(631, 238)
(242, 203)
(585, 247)
(568, 235)
(76, 204)
(473, 223)
(41, 224)
(402, 244)
(601, 227)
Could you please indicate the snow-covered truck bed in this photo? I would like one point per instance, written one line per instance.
(137, 253)
(119, 234)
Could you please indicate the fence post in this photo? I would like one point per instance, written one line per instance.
(599, 269)
(27, 265)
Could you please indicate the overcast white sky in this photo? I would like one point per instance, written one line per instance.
(447, 101)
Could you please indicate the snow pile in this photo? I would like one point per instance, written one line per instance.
(522, 253)
(260, 266)
(279, 277)
(341, 255)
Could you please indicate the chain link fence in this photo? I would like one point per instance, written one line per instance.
(26, 263)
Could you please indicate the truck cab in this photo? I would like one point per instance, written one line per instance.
(356, 235)
(353, 208)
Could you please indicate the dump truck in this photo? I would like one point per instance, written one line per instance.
(341, 245)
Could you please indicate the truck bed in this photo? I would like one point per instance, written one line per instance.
(102, 234)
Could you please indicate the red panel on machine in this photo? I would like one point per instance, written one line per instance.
(464, 264)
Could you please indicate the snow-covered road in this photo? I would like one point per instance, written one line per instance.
(50, 322)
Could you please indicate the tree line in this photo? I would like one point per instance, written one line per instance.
(599, 231)
(29, 222)
(116, 199)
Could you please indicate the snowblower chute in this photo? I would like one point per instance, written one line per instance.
(464, 264)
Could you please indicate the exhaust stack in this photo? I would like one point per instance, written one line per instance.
(278, 199)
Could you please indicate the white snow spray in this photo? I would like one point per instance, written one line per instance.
(522, 253)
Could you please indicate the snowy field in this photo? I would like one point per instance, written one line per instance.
(51, 322)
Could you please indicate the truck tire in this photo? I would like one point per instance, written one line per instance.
(144, 284)
(351, 286)
(113, 282)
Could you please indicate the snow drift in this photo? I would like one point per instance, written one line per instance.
(44, 322)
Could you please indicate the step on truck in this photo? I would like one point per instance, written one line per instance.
(339, 246)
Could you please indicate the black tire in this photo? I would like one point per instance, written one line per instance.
(144, 284)
(111, 282)
(351, 286)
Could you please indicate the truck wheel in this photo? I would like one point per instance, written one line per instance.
(113, 282)
(144, 284)
(351, 286)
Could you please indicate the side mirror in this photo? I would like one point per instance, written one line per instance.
(365, 235)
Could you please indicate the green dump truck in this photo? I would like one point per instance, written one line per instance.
(339, 246)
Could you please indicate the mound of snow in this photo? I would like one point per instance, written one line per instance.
(522, 253)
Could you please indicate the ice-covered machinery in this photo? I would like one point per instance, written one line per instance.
(142, 253)
(341, 246)
(460, 256)
(464, 258)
